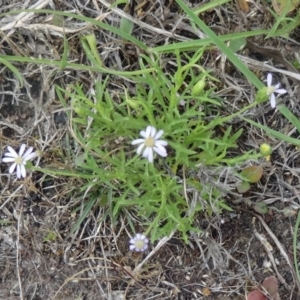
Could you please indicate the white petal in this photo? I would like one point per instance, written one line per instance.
(280, 91)
(140, 148)
(161, 151)
(132, 247)
(162, 148)
(161, 143)
(8, 159)
(277, 86)
(148, 131)
(159, 134)
(12, 151)
(273, 100)
(12, 168)
(137, 141)
(143, 133)
(146, 152)
(18, 171)
(28, 151)
(9, 154)
(23, 171)
(153, 131)
(269, 79)
(139, 236)
(30, 156)
(22, 149)
(150, 155)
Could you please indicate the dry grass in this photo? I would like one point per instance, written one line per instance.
(222, 262)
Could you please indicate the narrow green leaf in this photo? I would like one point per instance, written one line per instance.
(290, 116)
(220, 44)
(87, 209)
(64, 59)
(91, 39)
(274, 133)
(12, 68)
(100, 24)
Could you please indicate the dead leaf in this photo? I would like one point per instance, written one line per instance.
(253, 173)
(256, 295)
(206, 292)
(244, 6)
(271, 285)
(281, 5)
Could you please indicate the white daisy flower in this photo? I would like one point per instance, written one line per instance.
(138, 243)
(272, 89)
(18, 160)
(151, 142)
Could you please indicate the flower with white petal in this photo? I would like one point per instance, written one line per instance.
(18, 160)
(150, 142)
(138, 243)
(272, 89)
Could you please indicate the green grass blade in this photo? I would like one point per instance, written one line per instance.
(87, 209)
(219, 43)
(100, 24)
(274, 133)
(12, 68)
(196, 44)
(295, 243)
(64, 59)
(209, 5)
(74, 66)
(290, 116)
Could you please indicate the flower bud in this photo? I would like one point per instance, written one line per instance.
(198, 87)
(262, 95)
(133, 103)
(265, 150)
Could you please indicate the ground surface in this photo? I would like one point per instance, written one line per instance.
(232, 254)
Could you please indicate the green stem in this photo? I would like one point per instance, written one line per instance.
(228, 118)
(295, 245)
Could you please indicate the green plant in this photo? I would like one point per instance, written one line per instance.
(104, 126)
(168, 194)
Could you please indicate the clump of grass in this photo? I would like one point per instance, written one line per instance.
(162, 194)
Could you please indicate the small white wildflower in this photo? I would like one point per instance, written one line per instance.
(139, 243)
(151, 142)
(272, 89)
(18, 160)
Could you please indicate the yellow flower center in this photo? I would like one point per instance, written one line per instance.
(150, 142)
(271, 90)
(19, 160)
(139, 244)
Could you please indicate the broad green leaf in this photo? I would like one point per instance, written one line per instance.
(237, 45)
(126, 26)
(51, 236)
(253, 173)
(261, 207)
(243, 187)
